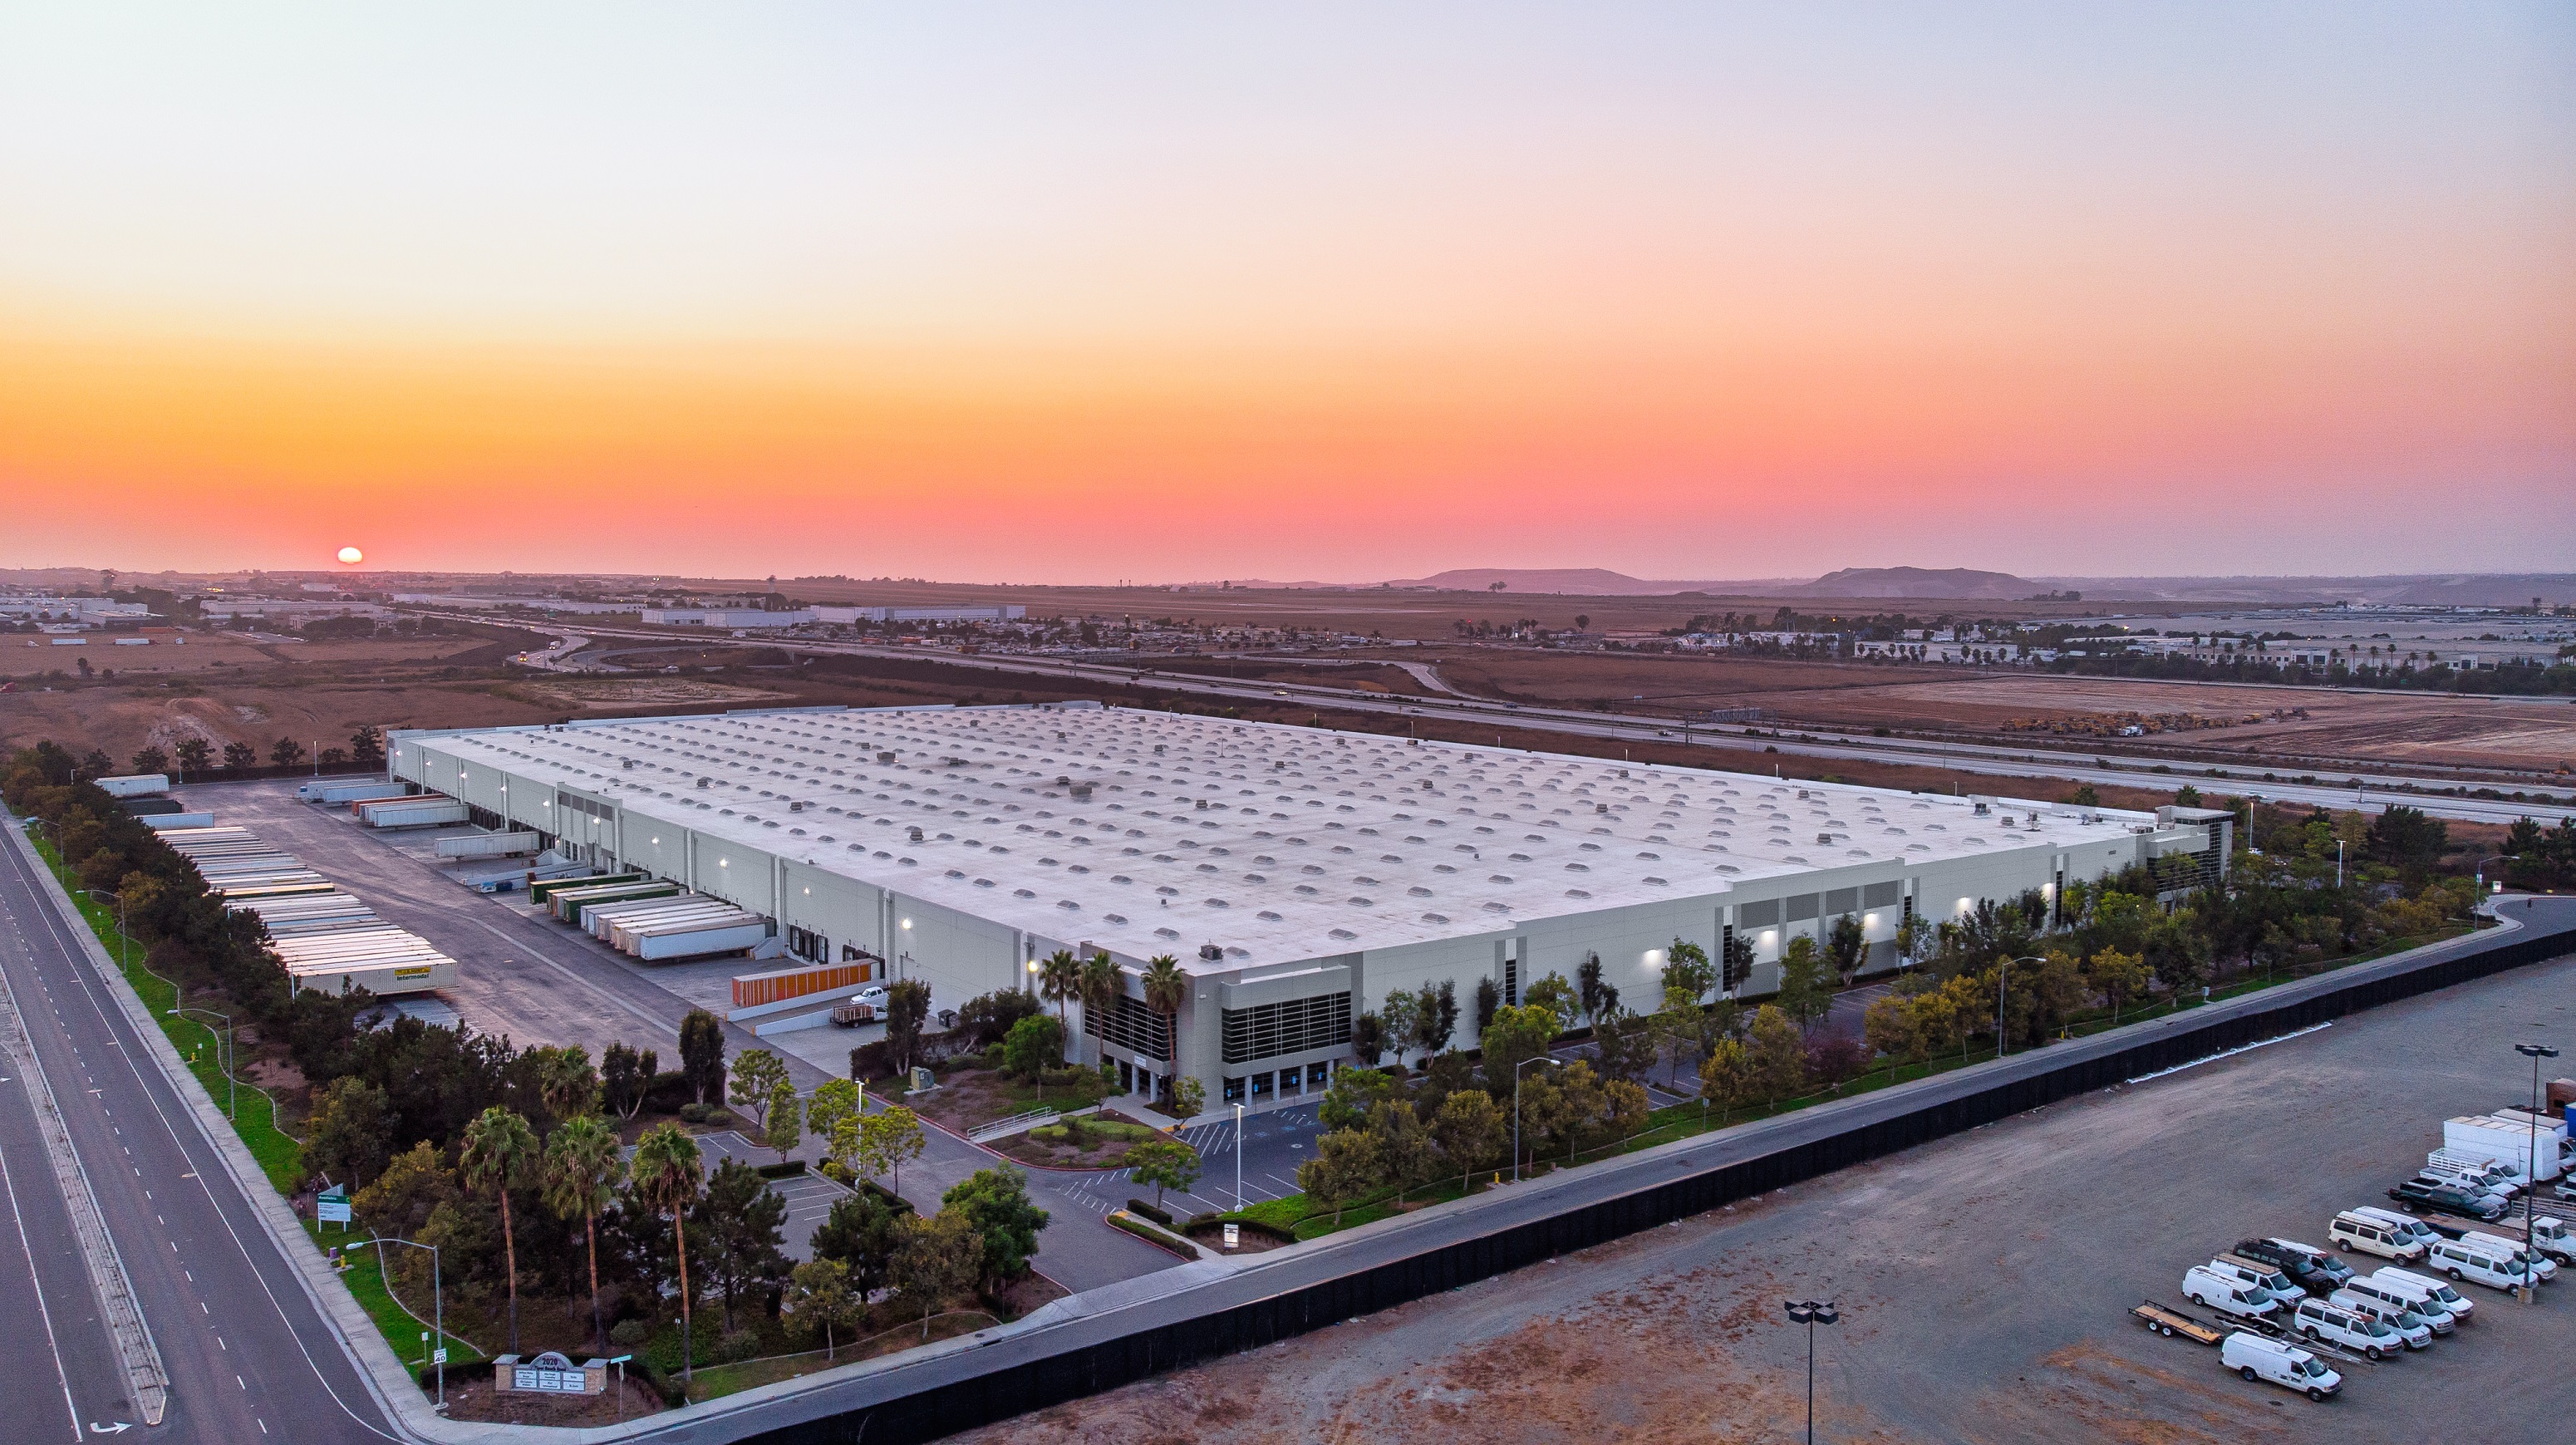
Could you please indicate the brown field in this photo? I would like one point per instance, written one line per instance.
(2397, 728)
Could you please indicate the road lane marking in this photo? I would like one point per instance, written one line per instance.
(41, 1307)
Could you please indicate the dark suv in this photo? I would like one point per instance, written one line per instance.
(2317, 1273)
(2444, 1198)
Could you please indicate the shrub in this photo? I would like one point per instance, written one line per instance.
(694, 1112)
(1833, 1058)
(630, 1333)
(738, 1346)
(1140, 1207)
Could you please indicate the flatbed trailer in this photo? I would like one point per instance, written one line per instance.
(2169, 1322)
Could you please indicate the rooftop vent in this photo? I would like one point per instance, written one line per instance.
(913, 833)
(706, 782)
(1209, 952)
(885, 759)
(796, 807)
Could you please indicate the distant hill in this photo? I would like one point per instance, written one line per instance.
(1948, 582)
(1581, 582)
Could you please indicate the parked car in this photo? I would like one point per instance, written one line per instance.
(2288, 1366)
(2211, 1290)
(2354, 1230)
(2313, 1269)
(2475, 1263)
(2411, 1323)
(2374, 1338)
(2428, 1292)
(2426, 1194)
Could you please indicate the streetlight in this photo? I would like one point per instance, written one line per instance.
(2003, 971)
(124, 949)
(1516, 1109)
(437, 1295)
(2531, 1189)
(232, 1085)
(1238, 1158)
(1811, 1313)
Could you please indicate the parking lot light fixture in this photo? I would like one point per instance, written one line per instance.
(1811, 1313)
(2531, 1185)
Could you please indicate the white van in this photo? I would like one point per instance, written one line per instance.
(2319, 1320)
(2288, 1366)
(2211, 1290)
(2408, 1320)
(2462, 1260)
(2254, 1274)
(2407, 1224)
(2515, 1250)
(2428, 1293)
(2351, 1231)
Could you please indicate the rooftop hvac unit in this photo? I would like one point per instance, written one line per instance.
(914, 834)
(1824, 837)
(1601, 807)
(706, 782)
(1983, 810)
(1081, 792)
(1063, 781)
(1210, 953)
(1202, 805)
(796, 807)
(885, 760)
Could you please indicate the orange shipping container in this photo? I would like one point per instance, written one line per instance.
(750, 990)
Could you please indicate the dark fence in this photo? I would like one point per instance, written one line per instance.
(306, 769)
(1015, 1387)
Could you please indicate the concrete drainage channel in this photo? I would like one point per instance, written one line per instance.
(1254, 1303)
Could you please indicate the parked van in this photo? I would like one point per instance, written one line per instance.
(2408, 1320)
(2315, 1269)
(2288, 1366)
(2319, 1320)
(2415, 1229)
(2352, 1230)
(2257, 1275)
(2209, 1289)
(2515, 1250)
(2429, 1293)
(2462, 1260)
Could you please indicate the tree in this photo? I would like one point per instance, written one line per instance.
(936, 1258)
(1558, 997)
(1352, 1094)
(286, 752)
(195, 756)
(743, 1217)
(1935, 1022)
(349, 1131)
(149, 759)
(1726, 1076)
(1517, 1034)
(907, 1007)
(887, 1138)
(1778, 1054)
(702, 1060)
(1803, 995)
(1846, 946)
(566, 1081)
(1060, 979)
(367, 744)
(1469, 1130)
(833, 1101)
(1737, 966)
(1489, 997)
(1165, 1164)
(1368, 1039)
(987, 1017)
(1688, 972)
(1913, 936)
(996, 1201)
(1034, 1045)
(1624, 1044)
(1596, 994)
(2407, 838)
(1101, 987)
(1887, 1028)
(2117, 976)
(820, 1301)
(624, 1077)
(95, 763)
(582, 1169)
(1346, 1166)
(861, 1233)
(1395, 1016)
(2187, 796)
(1187, 1098)
(782, 1120)
(240, 755)
(757, 1073)
(1166, 989)
(665, 1173)
(495, 1155)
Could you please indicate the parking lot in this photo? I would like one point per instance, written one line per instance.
(1984, 1282)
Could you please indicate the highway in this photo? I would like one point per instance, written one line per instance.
(266, 1366)
(2104, 766)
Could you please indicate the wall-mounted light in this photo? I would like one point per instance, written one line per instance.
(1654, 958)
(721, 863)
(907, 923)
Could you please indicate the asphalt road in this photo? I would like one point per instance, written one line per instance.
(1983, 1281)
(2000, 762)
(266, 1366)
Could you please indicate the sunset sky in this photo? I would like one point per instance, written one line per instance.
(1073, 293)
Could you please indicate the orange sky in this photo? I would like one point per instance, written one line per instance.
(1941, 309)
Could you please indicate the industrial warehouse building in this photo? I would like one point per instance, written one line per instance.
(1298, 875)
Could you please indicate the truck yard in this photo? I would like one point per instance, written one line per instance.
(1985, 1283)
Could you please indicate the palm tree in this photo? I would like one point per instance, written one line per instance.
(582, 1168)
(1166, 989)
(1060, 979)
(1101, 987)
(665, 1172)
(567, 1082)
(498, 1148)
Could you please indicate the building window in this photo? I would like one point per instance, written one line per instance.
(1511, 983)
(1260, 1087)
(808, 945)
(1291, 1081)
(1318, 1075)
(1234, 1091)
(1268, 1030)
(1131, 1026)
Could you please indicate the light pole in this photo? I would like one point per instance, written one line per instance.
(1811, 1313)
(1238, 1158)
(437, 1296)
(124, 950)
(2531, 1186)
(2003, 971)
(232, 1085)
(1516, 1109)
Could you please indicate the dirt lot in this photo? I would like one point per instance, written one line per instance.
(2396, 728)
(1984, 1283)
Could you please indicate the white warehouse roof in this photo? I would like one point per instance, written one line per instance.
(1278, 843)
